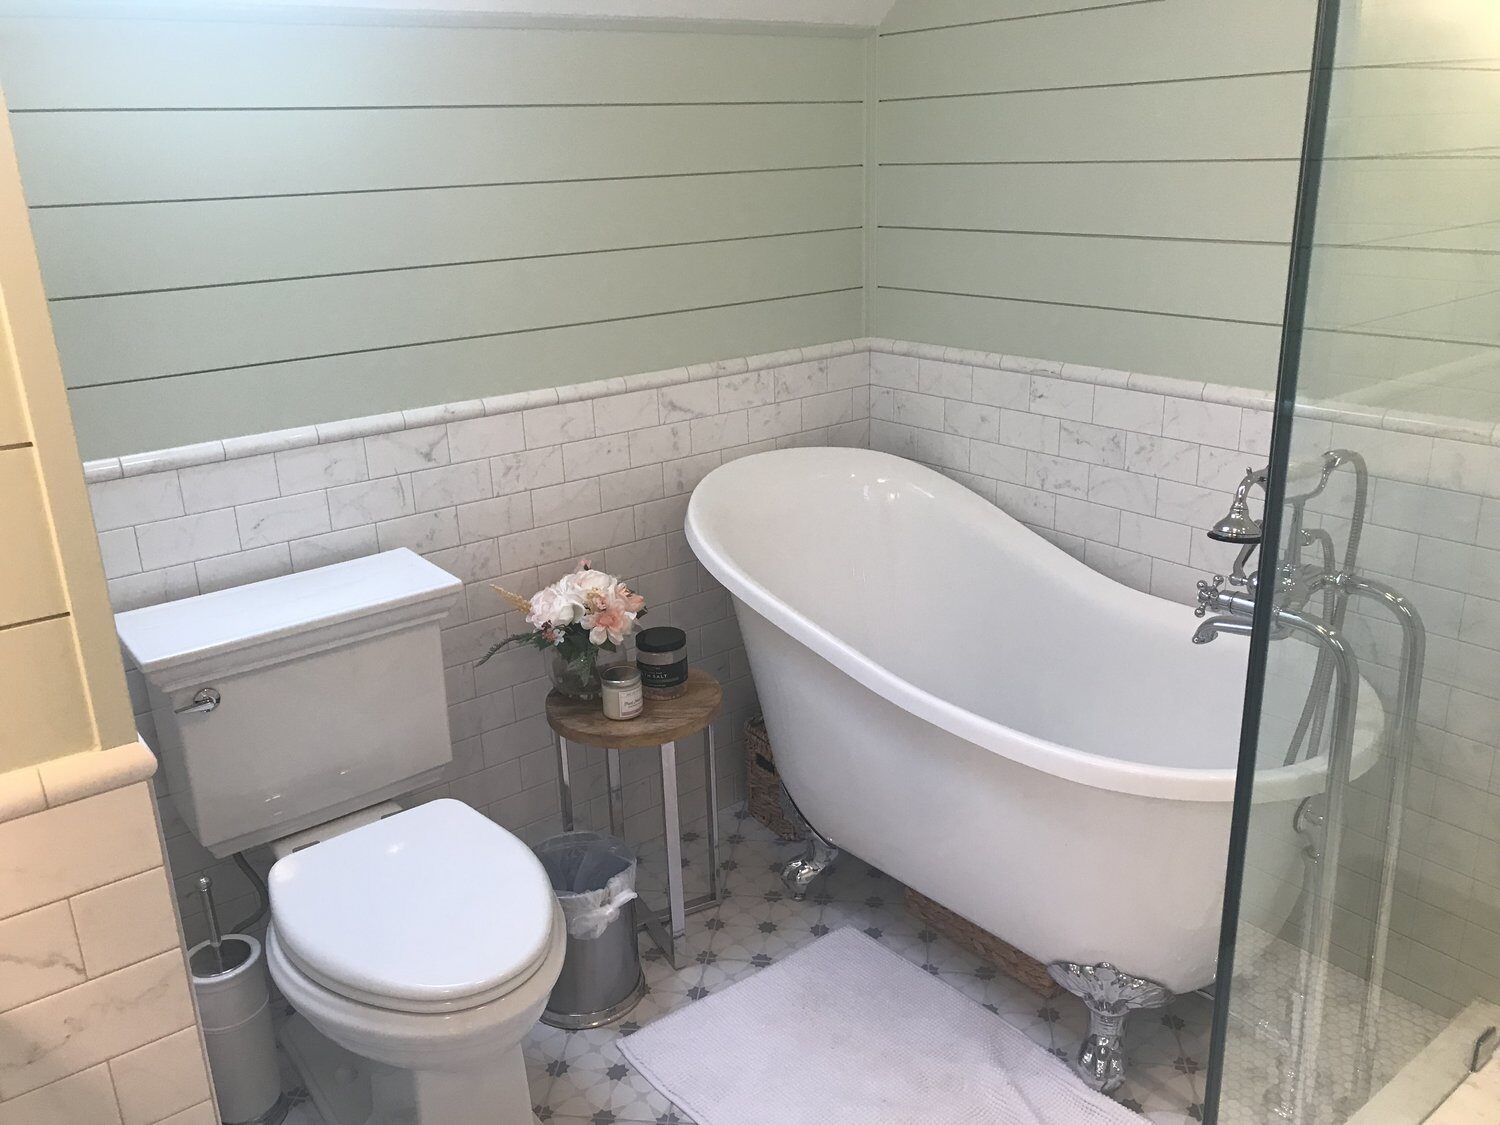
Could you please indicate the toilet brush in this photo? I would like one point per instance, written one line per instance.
(215, 939)
(234, 1005)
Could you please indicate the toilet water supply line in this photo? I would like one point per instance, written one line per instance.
(1300, 1066)
(262, 897)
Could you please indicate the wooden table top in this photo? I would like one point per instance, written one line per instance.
(663, 720)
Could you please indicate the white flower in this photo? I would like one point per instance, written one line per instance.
(586, 582)
(554, 606)
(599, 602)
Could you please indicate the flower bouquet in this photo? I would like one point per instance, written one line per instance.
(573, 620)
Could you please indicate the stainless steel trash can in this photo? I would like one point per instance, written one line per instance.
(593, 876)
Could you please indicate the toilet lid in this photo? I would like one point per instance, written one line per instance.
(431, 906)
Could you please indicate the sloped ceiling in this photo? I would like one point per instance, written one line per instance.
(852, 13)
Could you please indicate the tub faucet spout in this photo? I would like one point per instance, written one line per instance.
(1221, 624)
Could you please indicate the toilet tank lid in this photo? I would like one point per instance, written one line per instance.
(161, 636)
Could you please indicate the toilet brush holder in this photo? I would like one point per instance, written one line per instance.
(234, 1006)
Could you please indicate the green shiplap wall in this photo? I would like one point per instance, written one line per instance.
(1403, 306)
(1103, 183)
(249, 226)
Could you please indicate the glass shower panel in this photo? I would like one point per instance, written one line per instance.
(1366, 965)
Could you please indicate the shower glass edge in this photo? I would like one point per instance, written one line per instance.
(1359, 968)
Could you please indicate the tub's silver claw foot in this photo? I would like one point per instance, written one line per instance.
(1110, 997)
(797, 875)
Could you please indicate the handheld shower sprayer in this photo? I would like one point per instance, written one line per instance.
(1239, 526)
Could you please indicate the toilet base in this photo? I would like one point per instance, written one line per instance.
(350, 1090)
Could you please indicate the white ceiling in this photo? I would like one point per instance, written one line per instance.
(864, 13)
(848, 13)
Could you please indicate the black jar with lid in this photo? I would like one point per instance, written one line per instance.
(661, 655)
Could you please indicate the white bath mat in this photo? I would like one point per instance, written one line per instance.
(845, 1032)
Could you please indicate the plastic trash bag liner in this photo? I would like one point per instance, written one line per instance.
(593, 876)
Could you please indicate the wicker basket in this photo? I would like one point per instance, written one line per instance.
(762, 784)
(1004, 956)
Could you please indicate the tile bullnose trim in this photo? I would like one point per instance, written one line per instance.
(323, 433)
(202, 453)
(34, 789)
(1328, 410)
(21, 793)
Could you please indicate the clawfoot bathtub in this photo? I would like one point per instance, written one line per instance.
(959, 702)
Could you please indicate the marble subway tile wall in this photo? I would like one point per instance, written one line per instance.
(1122, 471)
(1126, 470)
(1433, 534)
(94, 996)
(509, 490)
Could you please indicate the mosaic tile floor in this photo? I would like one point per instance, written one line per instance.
(1259, 1010)
(580, 1078)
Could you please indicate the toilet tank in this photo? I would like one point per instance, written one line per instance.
(329, 694)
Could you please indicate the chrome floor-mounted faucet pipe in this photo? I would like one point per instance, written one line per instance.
(1296, 585)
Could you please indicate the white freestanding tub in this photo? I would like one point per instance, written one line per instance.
(963, 704)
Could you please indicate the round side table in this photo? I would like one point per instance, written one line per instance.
(660, 725)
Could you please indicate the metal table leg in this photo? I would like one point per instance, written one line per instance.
(616, 792)
(645, 915)
(673, 825)
(564, 785)
(666, 928)
(711, 786)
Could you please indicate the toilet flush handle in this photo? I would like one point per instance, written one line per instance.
(204, 701)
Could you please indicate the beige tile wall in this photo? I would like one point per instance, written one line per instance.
(97, 1023)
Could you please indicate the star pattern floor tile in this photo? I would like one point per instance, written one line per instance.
(757, 924)
(580, 1077)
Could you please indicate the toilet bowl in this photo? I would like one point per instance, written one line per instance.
(417, 951)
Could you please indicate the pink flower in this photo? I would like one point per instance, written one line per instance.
(599, 602)
(610, 623)
(612, 611)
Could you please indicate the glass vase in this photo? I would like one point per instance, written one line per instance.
(578, 677)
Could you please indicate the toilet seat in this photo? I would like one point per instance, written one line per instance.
(436, 909)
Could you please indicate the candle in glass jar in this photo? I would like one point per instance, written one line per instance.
(621, 692)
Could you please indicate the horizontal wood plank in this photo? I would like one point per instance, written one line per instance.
(1204, 279)
(1215, 351)
(1224, 200)
(1423, 202)
(1411, 111)
(1407, 31)
(1431, 377)
(114, 339)
(72, 158)
(128, 64)
(126, 418)
(166, 245)
(1225, 119)
(921, 15)
(1172, 41)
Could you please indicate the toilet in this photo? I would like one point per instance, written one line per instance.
(417, 946)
